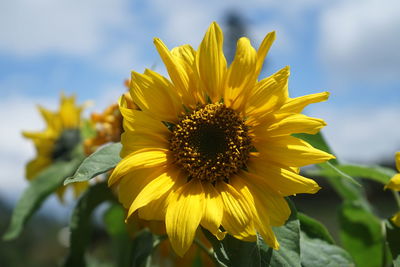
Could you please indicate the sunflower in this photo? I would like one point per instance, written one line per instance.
(57, 140)
(213, 146)
(394, 184)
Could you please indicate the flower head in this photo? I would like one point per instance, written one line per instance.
(57, 140)
(394, 184)
(213, 146)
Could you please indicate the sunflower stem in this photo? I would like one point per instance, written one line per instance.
(396, 197)
(209, 252)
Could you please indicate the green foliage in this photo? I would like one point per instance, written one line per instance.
(101, 161)
(314, 228)
(296, 249)
(361, 235)
(121, 241)
(393, 239)
(318, 252)
(80, 224)
(38, 190)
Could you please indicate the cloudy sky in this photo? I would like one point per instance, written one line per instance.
(347, 47)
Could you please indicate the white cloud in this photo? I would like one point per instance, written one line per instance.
(361, 135)
(359, 40)
(17, 114)
(63, 26)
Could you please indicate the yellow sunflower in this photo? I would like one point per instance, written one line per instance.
(394, 184)
(213, 146)
(57, 140)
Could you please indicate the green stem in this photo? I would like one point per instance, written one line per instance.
(209, 252)
(396, 197)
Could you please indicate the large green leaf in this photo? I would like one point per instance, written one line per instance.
(314, 228)
(38, 190)
(319, 253)
(80, 224)
(233, 252)
(143, 246)
(375, 173)
(237, 253)
(97, 163)
(393, 238)
(361, 235)
(289, 239)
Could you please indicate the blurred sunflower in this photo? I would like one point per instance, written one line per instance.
(57, 140)
(108, 126)
(394, 184)
(214, 146)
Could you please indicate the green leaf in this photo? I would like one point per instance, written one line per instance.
(289, 240)
(97, 163)
(143, 246)
(393, 238)
(316, 252)
(375, 173)
(361, 235)
(122, 243)
(237, 253)
(233, 252)
(314, 229)
(45, 183)
(337, 172)
(80, 224)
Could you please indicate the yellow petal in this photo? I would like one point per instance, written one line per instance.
(156, 209)
(296, 123)
(238, 216)
(396, 219)
(397, 157)
(270, 209)
(70, 113)
(290, 151)
(211, 62)
(269, 94)
(213, 211)
(131, 184)
(263, 51)
(184, 213)
(285, 182)
(35, 166)
(394, 183)
(186, 56)
(133, 141)
(240, 77)
(138, 121)
(79, 188)
(296, 105)
(175, 66)
(156, 188)
(144, 158)
(155, 96)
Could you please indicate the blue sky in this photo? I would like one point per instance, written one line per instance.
(347, 47)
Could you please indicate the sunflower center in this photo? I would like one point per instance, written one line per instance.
(211, 143)
(65, 144)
